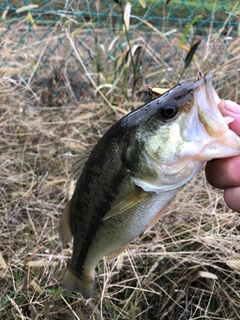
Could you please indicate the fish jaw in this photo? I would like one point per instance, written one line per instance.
(210, 131)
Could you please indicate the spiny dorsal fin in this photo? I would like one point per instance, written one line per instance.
(127, 202)
(79, 164)
(65, 233)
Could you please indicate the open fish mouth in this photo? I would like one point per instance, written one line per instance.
(210, 127)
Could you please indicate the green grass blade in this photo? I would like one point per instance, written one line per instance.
(186, 31)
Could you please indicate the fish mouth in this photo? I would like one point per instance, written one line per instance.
(210, 128)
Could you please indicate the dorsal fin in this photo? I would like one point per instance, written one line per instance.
(79, 164)
(65, 233)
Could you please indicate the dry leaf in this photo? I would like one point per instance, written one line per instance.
(71, 189)
(207, 275)
(41, 263)
(3, 263)
(35, 286)
(126, 16)
(26, 8)
(142, 3)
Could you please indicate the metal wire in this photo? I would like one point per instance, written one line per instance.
(38, 37)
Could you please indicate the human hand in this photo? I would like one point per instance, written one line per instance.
(225, 173)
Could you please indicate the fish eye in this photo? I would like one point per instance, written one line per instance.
(168, 111)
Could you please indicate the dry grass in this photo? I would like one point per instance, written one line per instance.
(187, 267)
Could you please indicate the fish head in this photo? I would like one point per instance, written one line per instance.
(184, 129)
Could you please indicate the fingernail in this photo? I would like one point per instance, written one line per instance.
(232, 106)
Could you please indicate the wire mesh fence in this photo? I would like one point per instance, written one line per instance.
(61, 51)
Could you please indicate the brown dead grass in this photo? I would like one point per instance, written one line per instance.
(187, 267)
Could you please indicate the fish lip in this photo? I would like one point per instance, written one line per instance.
(214, 97)
(205, 84)
(212, 94)
(207, 101)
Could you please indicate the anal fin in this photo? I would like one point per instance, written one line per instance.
(116, 253)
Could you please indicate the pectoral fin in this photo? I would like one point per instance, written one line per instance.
(127, 202)
(65, 233)
(156, 218)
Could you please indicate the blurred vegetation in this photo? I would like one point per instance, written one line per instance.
(174, 9)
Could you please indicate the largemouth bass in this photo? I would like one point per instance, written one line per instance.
(136, 169)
